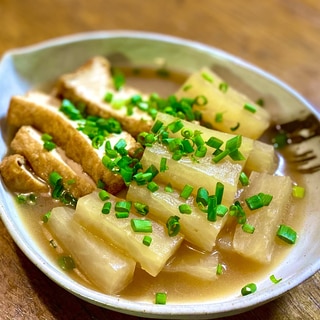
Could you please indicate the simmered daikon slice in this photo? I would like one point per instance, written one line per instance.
(117, 229)
(102, 264)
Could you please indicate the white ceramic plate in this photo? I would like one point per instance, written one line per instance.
(33, 66)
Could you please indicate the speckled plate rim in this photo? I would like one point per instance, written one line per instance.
(173, 311)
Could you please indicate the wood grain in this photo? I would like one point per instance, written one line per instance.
(280, 36)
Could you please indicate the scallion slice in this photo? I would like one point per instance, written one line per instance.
(274, 279)
(141, 225)
(185, 208)
(248, 228)
(287, 234)
(173, 226)
(147, 241)
(298, 192)
(248, 289)
(243, 178)
(161, 298)
(123, 206)
(106, 208)
(186, 191)
(104, 195)
(141, 208)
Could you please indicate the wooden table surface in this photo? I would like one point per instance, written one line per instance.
(280, 36)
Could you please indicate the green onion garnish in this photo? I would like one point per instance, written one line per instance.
(244, 180)
(219, 192)
(122, 215)
(219, 269)
(212, 208)
(223, 86)
(250, 107)
(141, 208)
(108, 97)
(207, 77)
(254, 202)
(152, 186)
(147, 241)
(161, 298)
(66, 263)
(298, 192)
(106, 208)
(274, 279)
(214, 142)
(221, 210)
(46, 217)
(248, 289)
(104, 195)
(173, 226)
(163, 164)
(123, 206)
(186, 191)
(185, 208)
(248, 228)
(49, 145)
(202, 196)
(140, 225)
(235, 127)
(168, 188)
(287, 234)
(219, 117)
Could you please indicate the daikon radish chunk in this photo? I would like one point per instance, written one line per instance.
(260, 244)
(195, 226)
(103, 265)
(236, 112)
(120, 233)
(196, 264)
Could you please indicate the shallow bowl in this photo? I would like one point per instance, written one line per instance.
(40, 64)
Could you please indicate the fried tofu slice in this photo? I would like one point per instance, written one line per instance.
(41, 111)
(89, 85)
(14, 170)
(28, 143)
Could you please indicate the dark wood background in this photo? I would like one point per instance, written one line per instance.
(280, 36)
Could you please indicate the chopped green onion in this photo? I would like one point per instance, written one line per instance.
(266, 198)
(122, 215)
(280, 140)
(46, 137)
(118, 80)
(123, 206)
(108, 97)
(141, 208)
(250, 107)
(152, 186)
(173, 226)
(21, 198)
(254, 202)
(244, 180)
(214, 142)
(106, 208)
(66, 263)
(187, 87)
(163, 164)
(223, 86)
(147, 241)
(49, 145)
(248, 228)
(274, 279)
(104, 195)
(219, 117)
(260, 102)
(298, 192)
(221, 210)
(186, 133)
(185, 208)
(217, 158)
(287, 234)
(235, 127)
(46, 217)
(234, 143)
(248, 289)
(140, 225)
(168, 188)
(101, 184)
(202, 196)
(200, 100)
(201, 151)
(175, 126)
(156, 126)
(186, 191)
(212, 208)
(219, 269)
(161, 298)
(219, 192)
(207, 77)
(55, 179)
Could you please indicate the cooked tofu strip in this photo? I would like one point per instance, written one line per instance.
(90, 83)
(28, 143)
(42, 112)
(17, 176)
